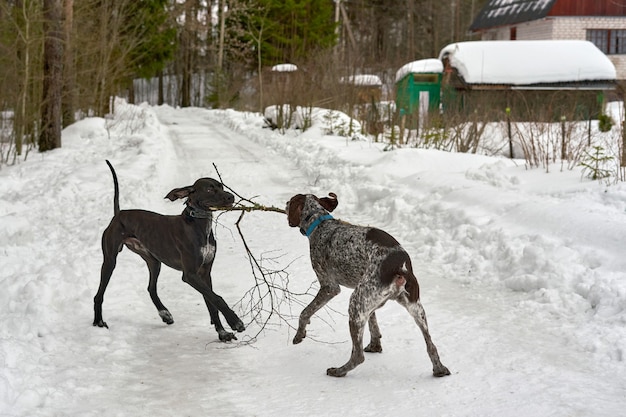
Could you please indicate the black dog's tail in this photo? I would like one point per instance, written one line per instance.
(116, 197)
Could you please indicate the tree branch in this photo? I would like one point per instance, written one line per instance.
(270, 293)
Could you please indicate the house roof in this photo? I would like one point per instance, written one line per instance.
(524, 63)
(510, 12)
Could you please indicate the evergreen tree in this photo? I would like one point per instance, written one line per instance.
(295, 29)
(153, 37)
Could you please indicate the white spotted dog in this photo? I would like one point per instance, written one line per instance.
(364, 258)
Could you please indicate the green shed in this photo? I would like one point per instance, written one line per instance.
(418, 87)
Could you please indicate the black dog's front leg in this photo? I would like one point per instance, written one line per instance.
(216, 305)
(219, 328)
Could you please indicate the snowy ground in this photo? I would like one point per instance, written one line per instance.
(522, 273)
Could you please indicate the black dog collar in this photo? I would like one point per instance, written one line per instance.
(198, 213)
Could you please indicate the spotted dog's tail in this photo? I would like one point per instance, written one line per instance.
(396, 270)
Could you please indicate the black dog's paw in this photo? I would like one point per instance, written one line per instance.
(226, 336)
(238, 326)
(166, 316)
(100, 323)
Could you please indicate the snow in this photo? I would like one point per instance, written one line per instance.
(300, 117)
(363, 80)
(285, 68)
(420, 66)
(522, 275)
(528, 62)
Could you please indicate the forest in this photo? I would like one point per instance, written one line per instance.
(62, 60)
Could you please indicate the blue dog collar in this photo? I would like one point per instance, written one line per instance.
(316, 223)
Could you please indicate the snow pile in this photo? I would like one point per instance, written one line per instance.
(329, 122)
(285, 68)
(364, 80)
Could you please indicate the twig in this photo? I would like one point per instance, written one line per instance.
(270, 291)
(271, 288)
(255, 206)
(247, 209)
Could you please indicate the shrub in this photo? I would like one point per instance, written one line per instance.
(593, 163)
(605, 123)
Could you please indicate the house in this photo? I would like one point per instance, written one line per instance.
(534, 80)
(602, 22)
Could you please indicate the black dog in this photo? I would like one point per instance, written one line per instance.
(184, 242)
(364, 258)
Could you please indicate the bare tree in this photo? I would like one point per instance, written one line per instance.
(69, 69)
(51, 116)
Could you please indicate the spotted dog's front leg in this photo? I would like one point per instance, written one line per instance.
(325, 294)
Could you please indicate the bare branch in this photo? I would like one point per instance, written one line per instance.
(270, 296)
(240, 207)
(270, 292)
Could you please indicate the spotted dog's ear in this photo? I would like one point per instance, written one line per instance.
(294, 210)
(178, 193)
(329, 203)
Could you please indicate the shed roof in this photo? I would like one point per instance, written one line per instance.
(522, 63)
(421, 66)
(510, 12)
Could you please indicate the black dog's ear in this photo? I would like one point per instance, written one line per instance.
(329, 203)
(177, 193)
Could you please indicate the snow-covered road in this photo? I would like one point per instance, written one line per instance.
(511, 353)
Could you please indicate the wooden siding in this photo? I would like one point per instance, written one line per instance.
(588, 8)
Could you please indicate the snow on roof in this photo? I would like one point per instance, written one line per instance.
(528, 62)
(284, 68)
(421, 66)
(363, 80)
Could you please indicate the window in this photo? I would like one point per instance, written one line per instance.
(617, 44)
(609, 41)
(425, 78)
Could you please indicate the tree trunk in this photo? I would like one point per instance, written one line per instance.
(161, 98)
(131, 91)
(69, 69)
(187, 44)
(51, 117)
